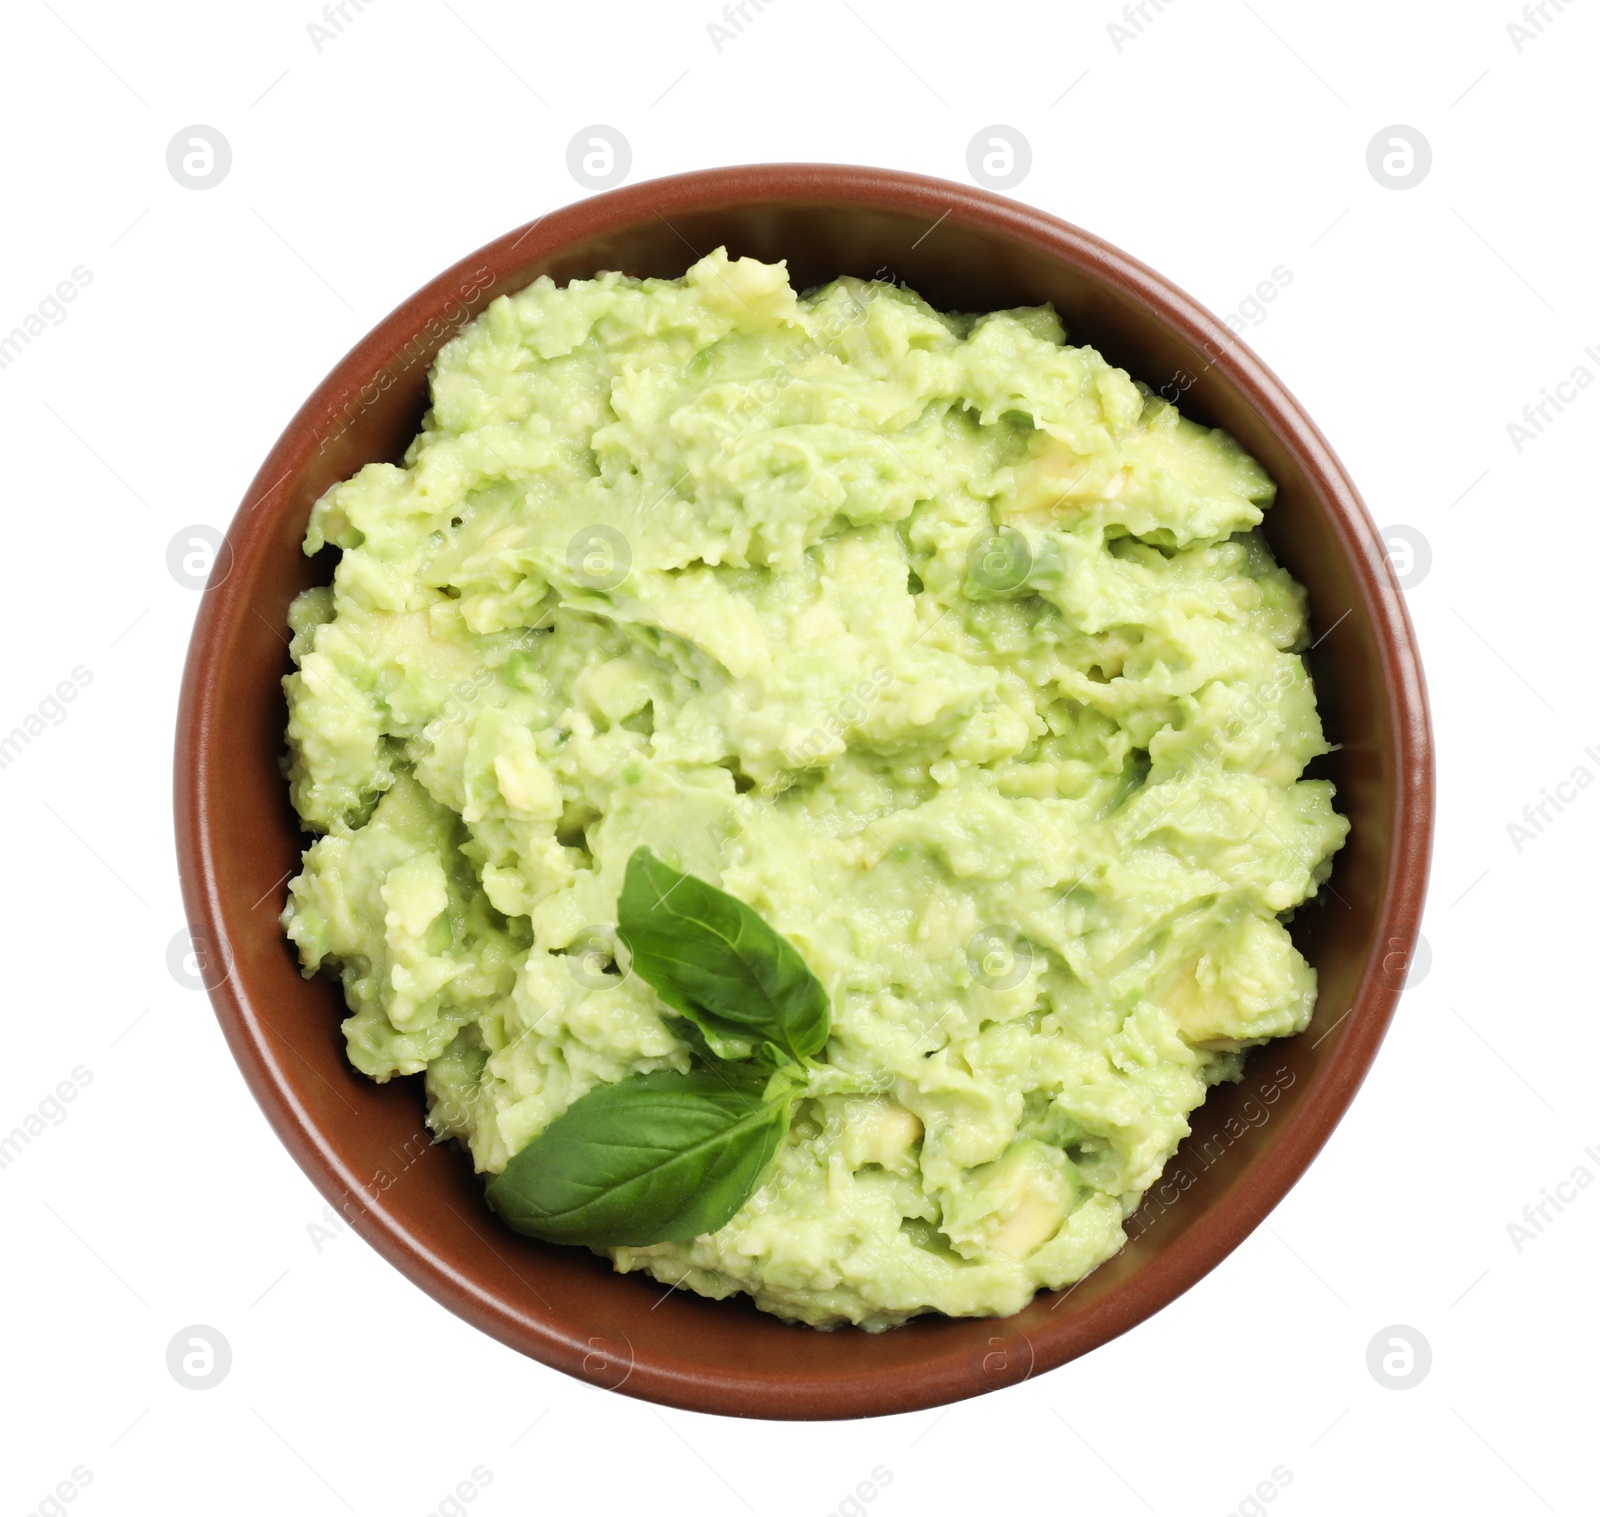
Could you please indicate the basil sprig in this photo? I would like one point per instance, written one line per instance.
(718, 964)
(665, 1157)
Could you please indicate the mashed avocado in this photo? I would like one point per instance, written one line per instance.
(945, 646)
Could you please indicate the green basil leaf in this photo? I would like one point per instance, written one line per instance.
(657, 1158)
(716, 962)
(711, 1047)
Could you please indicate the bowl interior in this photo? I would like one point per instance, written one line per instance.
(366, 1146)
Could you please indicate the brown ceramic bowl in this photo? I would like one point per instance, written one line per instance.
(365, 1145)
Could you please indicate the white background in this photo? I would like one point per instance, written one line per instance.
(1223, 140)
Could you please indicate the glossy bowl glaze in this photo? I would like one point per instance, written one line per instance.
(365, 1145)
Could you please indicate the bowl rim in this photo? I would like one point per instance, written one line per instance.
(1184, 1259)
